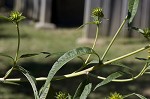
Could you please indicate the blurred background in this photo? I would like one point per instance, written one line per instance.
(51, 26)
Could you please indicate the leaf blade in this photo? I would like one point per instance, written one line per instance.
(2, 54)
(86, 91)
(44, 93)
(31, 79)
(80, 89)
(28, 55)
(109, 79)
(132, 9)
(66, 58)
(138, 95)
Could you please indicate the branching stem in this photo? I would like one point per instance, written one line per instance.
(18, 46)
(95, 40)
(84, 72)
(114, 38)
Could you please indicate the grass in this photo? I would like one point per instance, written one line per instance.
(58, 40)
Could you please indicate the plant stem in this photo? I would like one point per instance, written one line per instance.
(122, 80)
(83, 72)
(18, 46)
(114, 38)
(8, 72)
(17, 53)
(95, 40)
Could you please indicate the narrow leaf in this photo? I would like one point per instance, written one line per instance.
(138, 95)
(109, 79)
(52, 54)
(132, 9)
(142, 59)
(4, 18)
(86, 91)
(44, 93)
(11, 83)
(28, 55)
(85, 24)
(68, 56)
(80, 89)
(147, 73)
(2, 54)
(31, 79)
(121, 65)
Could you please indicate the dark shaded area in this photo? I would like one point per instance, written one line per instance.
(67, 13)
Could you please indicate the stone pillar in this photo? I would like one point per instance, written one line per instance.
(45, 15)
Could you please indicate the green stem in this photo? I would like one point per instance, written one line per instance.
(83, 72)
(114, 38)
(95, 40)
(8, 72)
(17, 53)
(18, 47)
(122, 80)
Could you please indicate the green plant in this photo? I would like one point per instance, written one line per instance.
(85, 87)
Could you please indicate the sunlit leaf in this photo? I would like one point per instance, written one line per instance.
(138, 95)
(86, 91)
(31, 79)
(68, 56)
(132, 9)
(44, 93)
(109, 79)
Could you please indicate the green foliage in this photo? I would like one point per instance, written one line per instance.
(132, 9)
(138, 95)
(68, 56)
(43, 94)
(31, 79)
(109, 79)
(85, 88)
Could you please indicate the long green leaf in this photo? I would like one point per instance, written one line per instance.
(2, 54)
(28, 55)
(121, 65)
(44, 93)
(138, 95)
(68, 56)
(80, 89)
(86, 91)
(11, 83)
(109, 79)
(31, 80)
(4, 18)
(132, 9)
